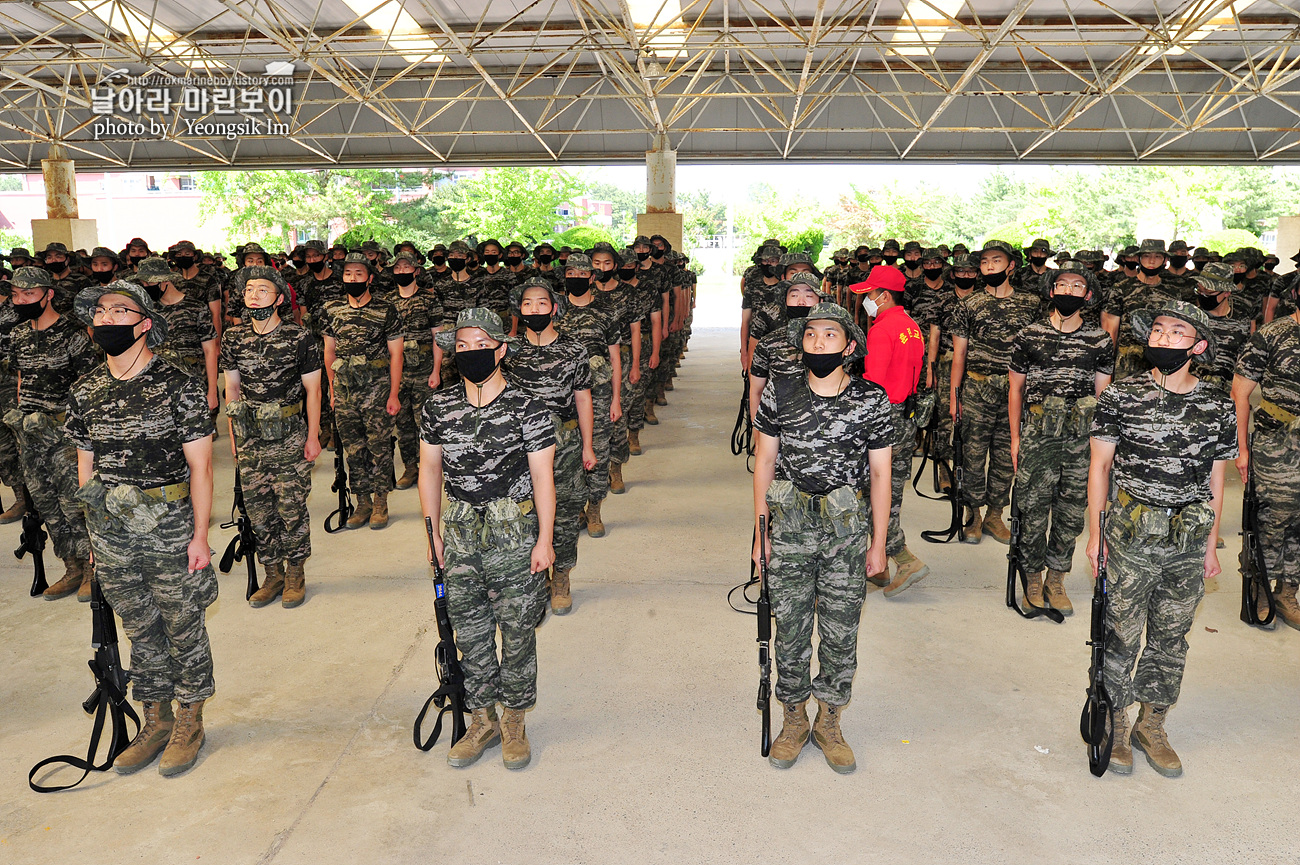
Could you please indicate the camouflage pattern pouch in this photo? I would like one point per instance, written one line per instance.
(926, 400)
(601, 371)
(1151, 522)
(238, 411)
(1055, 414)
(460, 526)
(787, 511)
(1084, 408)
(129, 507)
(843, 508)
(271, 423)
(37, 421)
(1192, 526)
(91, 495)
(14, 419)
(505, 526)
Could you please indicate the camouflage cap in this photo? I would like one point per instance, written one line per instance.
(545, 244)
(873, 252)
(793, 258)
(1063, 256)
(803, 279)
(246, 249)
(933, 254)
(258, 271)
(180, 245)
(1076, 268)
(913, 246)
(89, 297)
(1089, 255)
(965, 262)
(842, 252)
(359, 258)
(998, 246)
(54, 247)
(341, 247)
(458, 246)
(138, 241)
(770, 252)
(960, 249)
(1132, 249)
(484, 319)
(1144, 319)
(371, 246)
(1151, 245)
(642, 240)
(318, 245)
(103, 252)
(153, 270)
(827, 311)
(1215, 277)
(1178, 246)
(517, 295)
(407, 256)
(943, 247)
(578, 260)
(19, 252)
(890, 244)
(31, 277)
(1041, 246)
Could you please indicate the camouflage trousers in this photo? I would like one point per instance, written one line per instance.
(277, 481)
(1275, 459)
(366, 428)
(1052, 481)
(413, 391)
(1130, 361)
(986, 439)
(49, 462)
(1155, 583)
(943, 431)
(903, 443)
(620, 449)
(812, 570)
(634, 394)
(11, 467)
(489, 587)
(602, 431)
(570, 492)
(145, 577)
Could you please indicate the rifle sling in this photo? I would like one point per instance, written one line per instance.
(105, 705)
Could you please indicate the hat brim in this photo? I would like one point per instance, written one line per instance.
(1144, 319)
(794, 331)
(88, 297)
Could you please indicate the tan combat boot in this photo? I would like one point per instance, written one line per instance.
(379, 513)
(483, 733)
(410, 476)
(1284, 601)
(970, 532)
(616, 485)
(827, 736)
(995, 528)
(272, 585)
(561, 602)
(595, 526)
(881, 579)
(650, 412)
(515, 750)
(1034, 589)
(660, 399)
(295, 585)
(911, 570)
(634, 442)
(149, 742)
(1261, 611)
(361, 516)
(186, 740)
(17, 510)
(1150, 738)
(87, 577)
(1121, 753)
(794, 735)
(1054, 593)
(68, 584)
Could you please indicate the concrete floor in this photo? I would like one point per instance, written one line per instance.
(965, 721)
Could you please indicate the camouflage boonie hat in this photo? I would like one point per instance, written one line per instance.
(890, 244)
(31, 277)
(1078, 268)
(792, 258)
(246, 249)
(458, 246)
(842, 252)
(805, 279)
(874, 252)
(933, 253)
(1215, 277)
(965, 261)
(1063, 256)
(517, 295)
(1201, 252)
(1040, 245)
(87, 299)
(485, 320)
(1178, 246)
(913, 246)
(19, 252)
(642, 240)
(960, 249)
(411, 257)
(152, 271)
(1089, 255)
(103, 252)
(370, 246)
(55, 247)
(258, 271)
(184, 245)
(827, 311)
(998, 246)
(769, 252)
(1152, 245)
(578, 260)
(318, 245)
(359, 258)
(1144, 319)
(1130, 250)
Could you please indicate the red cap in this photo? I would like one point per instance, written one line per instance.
(881, 276)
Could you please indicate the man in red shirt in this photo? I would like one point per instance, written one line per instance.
(895, 359)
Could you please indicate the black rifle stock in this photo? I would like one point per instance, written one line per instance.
(1096, 723)
(450, 696)
(956, 489)
(1254, 573)
(32, 540)
(243, 546)
(339, 515)
(1016, 569)
(108, 701)
(764, 644)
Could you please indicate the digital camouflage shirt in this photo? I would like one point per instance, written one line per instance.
(619, 303)
(1271, 359)
(643, 304)
(362, 331)
(204, 286)
(8, 321)
(271, 365)
(457, 296)
(314, 293)
(49, 361)
(947, 309)
(776, 356)
(189, 325)
(552, 373)
(1129, 294)
(136, 426)
(485, 449)
(1231, 332)
(924, 304)
(756, 291)
(66, 290)
(420, 314)
(494, 293)
(1061, 364)
(990, 324)
(595, 327)
(824, 440)
(1165, 443)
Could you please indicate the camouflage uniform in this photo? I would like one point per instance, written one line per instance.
(1127, 296)
(361, 386)
(11, 469)
(420, 314)
(275, 475)
(189, 325)
(990, 324)
(488, 531)
(644, 305)
(943, 373)
(1231, 330)
(48, 362)
(494, 292)
(595, 327)
(616, 303)
(135, 428)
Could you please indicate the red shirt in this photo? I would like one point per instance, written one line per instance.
(895, 353)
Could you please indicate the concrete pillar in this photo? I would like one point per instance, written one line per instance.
(62, 224)
(1288, 242)
(661, 216)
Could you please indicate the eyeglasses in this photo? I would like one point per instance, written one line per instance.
(260, 293)
(114, 312)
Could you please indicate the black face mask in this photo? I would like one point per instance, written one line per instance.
(864, 258)
(993, 280)
(822, 365)
(155, 292)
(478, 365)
(403, 279)
(1129, 265)
(513, 260)
(1038, 260)
(536, 321)
(29, 311)
(912, 264)
(545, 259)
(55, 266)
(1177, 260)
(299, 263)
(115, 339)
(658, 253)
(769, 270)
(1207, 302)
(932, 273)
(456, 264)
(136, 259)
(1239, 278)
(604, 275)
(889, 259)
(626, 272)
(491, 260)
(642, 256)
(577, 285)
(1150, 271)
(184, 263)
(964, 282)
(103, 277)
(316, 266)
(261, 313)
(1199, 264)
(356, 289)
(1167, 360)
(796, 311)
(439, 260)
(1068, 304)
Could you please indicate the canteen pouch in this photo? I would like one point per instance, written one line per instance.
(125, 506)
(460, 526)
(505, 524)
(272, 425)
(237, 411)
(91, 495)
(1192, 526)
(788, 512)
(1055, 414)
(14, 420)
(1084, 409)
(843, 508)
(926, 400)
(601, 371)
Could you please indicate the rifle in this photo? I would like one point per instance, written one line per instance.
(340, 486)
(956, 491)
(1254, 573)
(108, 699)
(450, 696)
(764, 644)
(929, 435)
(243, 546)
(32, 540)
(742, 434)
(1096, 724)
(1016, 569)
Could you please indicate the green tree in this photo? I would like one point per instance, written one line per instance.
(627, 204)
(1228, 240)
(770, 214)
(872, 216)
(11, 183)
(513, 203)
(584, 237)
(701, 217)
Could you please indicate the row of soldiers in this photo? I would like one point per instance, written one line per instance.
(1124, 391)
(573, 364)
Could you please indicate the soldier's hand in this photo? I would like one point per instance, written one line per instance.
(543, 557)
(929, 376)
(199, 554)
(393, 406)
(954, 410)
(1212, 568)
(615, 412)
(634, 374)
(654, 360)
(1015, 455)
(438, 551)
(588, 459)
(756, 554)
(1094, 546)
(877, 561)
(1242, 462)
(311, 449)
(435, 379)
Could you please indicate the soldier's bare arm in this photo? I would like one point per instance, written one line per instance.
(198, 454)
(616, 364)
(1217, 474)
(881, 463)
(766, 448)
(210, 350)
(586, 422)
(541, 465)
(331, 354)
(1103, 457)
(1015, 401)
(1242, 388)
(634, 374)
(656, 339)
(1100, 383)
(394, 376)
(430, 487)
(959, 344)
(311, 384)
(1110, 324)
(756, 386)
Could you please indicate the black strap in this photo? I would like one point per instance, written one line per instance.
(104, 705)
(1033, 612)
(742, 434)
(439, 697)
